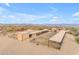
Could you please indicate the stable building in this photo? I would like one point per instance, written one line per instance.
(56, 40)
(24, 35)
(30, 34)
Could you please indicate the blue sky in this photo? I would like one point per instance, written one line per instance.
(39, 13)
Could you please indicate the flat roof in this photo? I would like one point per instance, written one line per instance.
(40, 31)
(58, 37)
(31, 31)
(26, 32)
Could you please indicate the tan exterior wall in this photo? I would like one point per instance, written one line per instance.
(25, 36)
(22, 37)
(19, 37)
(54, 44)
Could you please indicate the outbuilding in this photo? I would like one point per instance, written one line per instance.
(24, 35)
(56, 40)
(30, 34)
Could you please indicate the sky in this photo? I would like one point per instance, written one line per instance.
(39, 13)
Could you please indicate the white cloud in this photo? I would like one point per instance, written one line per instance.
(11, 16)
(2, 11)
(28, 17)
(76, 19)
(21, 17)
(3, 16)
(76, 14)
(7, 4)
(54, 19)
(7, 17)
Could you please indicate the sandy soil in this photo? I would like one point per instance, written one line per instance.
(13, 46)
(69, 45)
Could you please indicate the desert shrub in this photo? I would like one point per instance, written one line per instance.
(77, 39)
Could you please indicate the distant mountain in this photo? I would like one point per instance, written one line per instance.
(40, 24)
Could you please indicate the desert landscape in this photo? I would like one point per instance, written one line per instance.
(39, 29)
(39, 44)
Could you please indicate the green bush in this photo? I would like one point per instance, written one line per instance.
(77, 40)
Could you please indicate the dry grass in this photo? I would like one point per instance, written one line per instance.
(13, 28)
